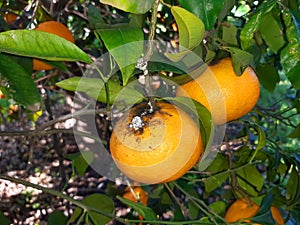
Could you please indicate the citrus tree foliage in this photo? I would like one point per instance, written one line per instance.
(260, 154)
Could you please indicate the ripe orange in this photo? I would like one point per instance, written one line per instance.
(10, 17)
(241, 211)
(166, 146)
(138, 195)
(54, 28)
(220, 90)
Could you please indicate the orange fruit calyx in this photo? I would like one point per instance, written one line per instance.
(155, 147)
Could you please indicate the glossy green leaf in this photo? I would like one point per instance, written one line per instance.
(191, 32)
(133, 6)
(268, 76)
(262, 140)
(57, 218)
(218, 207)
(100, 202)
(24, 89)
(229, 34)
(271, 32)
(290, 55)
(264, 214)
(207, 10)
(146, 212)
(39, 44)
(200, 114)
(240, 59)
(3, 219)
(250, 179)
(126, 47)
(81, 161)
(94, 87)
(252, 26)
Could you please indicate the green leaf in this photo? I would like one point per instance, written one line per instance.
(39, 44)
(24, 89)
(229, 34)
(240, 59)
(219, 207)
(295, 133)
(268, 76)
(293, 187)
(99, 202)
(57, 218)
(94, 16)
(81, 160)
(200, 114)
(3, 219)
(191, 32)
(94, 87)
(250, 179)
(144, 211)
(133, 6)
(262, 139)
(207, 10)
(252, 26)
(126, 47)
(290, 55)
(271, 32)
(215, 181)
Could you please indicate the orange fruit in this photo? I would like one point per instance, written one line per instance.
(220, 90)
(10, 17)
(241, 211)
(52, 27)
(138, 195)
(167, 144)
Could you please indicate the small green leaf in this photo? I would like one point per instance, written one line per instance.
(271, 32)
(295, 133)
(132, 6)
(229, 34)
(268, 76)
(39, 44)
(57, 218)
(240, 59)
(250, 179)
(219, 207)
(215, 181)
(94, 87)
(94, 16)
(252, 26)
(24, 89)
(293, 187)
(101, 203)
(126, 47)
(3, 219)
(81, 160)
(144, 211)
(191, 32)
(207, 10)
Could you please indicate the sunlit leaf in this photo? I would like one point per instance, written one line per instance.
(271, 32)
(126, 47)
(207, 10)
(133, 6)
(24, 88)
(253, 24)
(94, 87)
(191, 32)
(39, 44)
(144, 211)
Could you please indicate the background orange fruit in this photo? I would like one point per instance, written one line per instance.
(220, 90)
(52, 27)
(240, 210)
(167, 146)
(10, 17)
